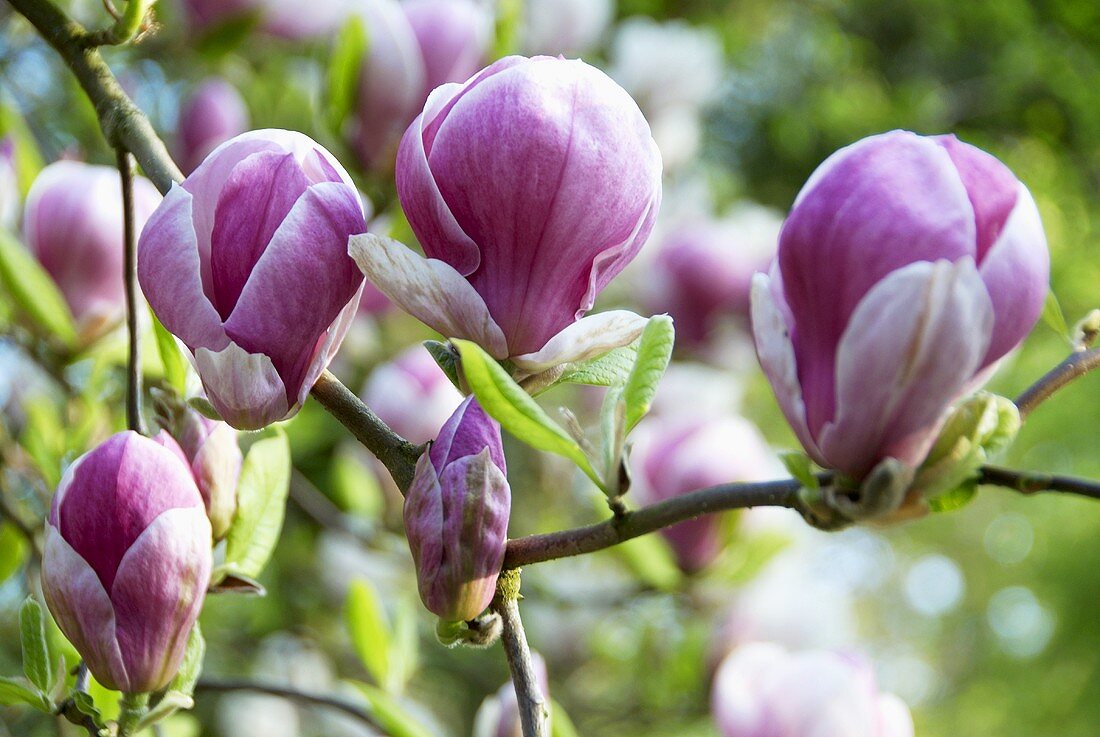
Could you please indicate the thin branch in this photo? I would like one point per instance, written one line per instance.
(1034, 482)
(332, 702)
(68, 708)
(397, 454)
(565, 543)
(123, 124)
(133, 303)
(1076, 365)
(534, 715)
(125, 27)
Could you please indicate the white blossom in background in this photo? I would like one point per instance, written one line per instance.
(672, 69)
(568, 27)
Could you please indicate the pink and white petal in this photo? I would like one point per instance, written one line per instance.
(1016, 271)
(430, 290)
(244, 387)
(169, 272)
(911, 347)
(328, 345)
(776, 353)
(82, 609)
(166, 570)
(587, 338)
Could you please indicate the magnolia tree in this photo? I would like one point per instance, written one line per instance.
(907, 268)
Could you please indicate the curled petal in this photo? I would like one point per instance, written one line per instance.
(587, 338)
(893, 382)
(166, 570)
(428, 289)
(244, 387)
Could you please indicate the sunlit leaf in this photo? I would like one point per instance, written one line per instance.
(344, 68)
(36, 654)
(367, 627)
(654, 353)
(32, 289)
(171, 359)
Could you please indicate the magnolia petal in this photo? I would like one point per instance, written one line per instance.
(1016, 271)
(80, 606)
(166, 570)
(327, 346)
(776, 353)
(169, 272)
(912, 345)
(244, 387)
(428, 289)
(587, 338)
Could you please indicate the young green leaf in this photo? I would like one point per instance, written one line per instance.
(800, 467)
(261, 503)
(36, 655)
(18, 691)
(345, 65)
(391, 715)
(175, 365)
(445, 357)
(366, 623)
(404, 647)
(610, 369)
(509, 26)
(560, 723)
(203, 406)
(32, 289)
(1053, 316)
(515, 410)
(191, 668)
(654, 353)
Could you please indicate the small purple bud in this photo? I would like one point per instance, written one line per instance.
(908, 267)
(456, 515)
(211, 451)
(127, 561)
(761, 690)
(246, 262)
(72, 223)
(530, 187)
(9, 185)
(412, 395)
(214, 113)
(674, 457)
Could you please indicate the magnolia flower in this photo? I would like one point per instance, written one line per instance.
(214, 113)
(908, 266)
(246, 263)
(529, 187)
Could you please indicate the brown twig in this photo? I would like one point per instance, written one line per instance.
(133, 303)
(1034, 482)
(1076, 365)
(346, 706)
(534, 715)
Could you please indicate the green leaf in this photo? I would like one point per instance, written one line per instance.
(36, 654)
(404, 647)
(203, 406)
(1053, 316)
(261, 503)
(173, 362)
(13, 551)
(509, 25)
(445, 357)
(800, 467)
(654, 353)
(560, 723)
(169, 704)
(32, 289)
(366, 623)
(954, 499)
(515, 410)
(344, 68)
(611, 369)
(612, 430)
(18, 691)
(391, 715)
(191, 668)
(85, 704)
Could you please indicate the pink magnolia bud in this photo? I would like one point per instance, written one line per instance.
(72, 223)
(127, 561)
(212, 115)
(761, 690)
(412, 395)
(415, 46)
(704, 269)
(246, 262)
(456, 515)
(211, 451)
(908, 266)
(674, 457)
(498, 715)
(529, 187)
(9, 185)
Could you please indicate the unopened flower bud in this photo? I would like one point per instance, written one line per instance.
(412, 395)
(907, 268)
(456, 515)
(212, 115)
(127, 561)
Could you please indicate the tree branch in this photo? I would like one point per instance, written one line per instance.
(125, 26)
(1034, 482)
(331, 702)
(123, 124)
(397, 454)
(534, 715)
(1078, 364)
(133, 303)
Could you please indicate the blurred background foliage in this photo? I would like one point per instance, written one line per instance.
(982, 619)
